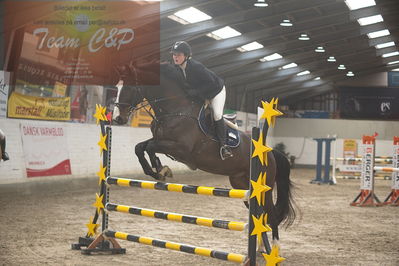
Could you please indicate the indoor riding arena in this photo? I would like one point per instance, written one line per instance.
(166, 132)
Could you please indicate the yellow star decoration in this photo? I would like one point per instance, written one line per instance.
(269, 112)
(101, 173)
(260, 149)
(273, 258)
(103, 110)
(92, 227)
(259, 188)
(99, 203)
(259, 227)
(98, 114)
(102, 144)
(274, 102)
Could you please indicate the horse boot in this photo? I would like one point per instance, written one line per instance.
(4, 155)
(225, 151)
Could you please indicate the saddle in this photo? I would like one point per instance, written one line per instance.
(205, 122)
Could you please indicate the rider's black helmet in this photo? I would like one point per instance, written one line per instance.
(181, 47)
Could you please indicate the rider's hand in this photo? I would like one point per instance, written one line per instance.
(192, 92)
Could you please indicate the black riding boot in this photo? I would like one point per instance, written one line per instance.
(4, 155)
(225, 151)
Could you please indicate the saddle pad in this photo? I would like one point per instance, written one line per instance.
(207, 127)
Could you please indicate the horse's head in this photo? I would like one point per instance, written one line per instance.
(165, 88)
(129, 94)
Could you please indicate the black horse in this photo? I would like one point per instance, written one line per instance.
(176, 133)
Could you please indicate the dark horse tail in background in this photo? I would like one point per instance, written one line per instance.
(176, 133)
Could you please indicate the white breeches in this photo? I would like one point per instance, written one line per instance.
(217, 104)
(2, 135)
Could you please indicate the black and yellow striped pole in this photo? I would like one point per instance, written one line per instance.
(229, 225)
(210, 191)
(177, 246)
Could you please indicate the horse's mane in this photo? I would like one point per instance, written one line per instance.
(165, 70)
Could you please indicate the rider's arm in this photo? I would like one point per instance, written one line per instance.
(207, 83)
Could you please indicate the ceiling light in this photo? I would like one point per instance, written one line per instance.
(190, 15)
(377, 34)
(341, 67)
(290, 65)
(261, 3)
(224, 33)
(385, 45)
(331, 59)
(317, 78)
(306, 72)
(350, 74)
(320, 49)
(356, 4)
(304, 37)
(250, 47)
(390, 54)
(286, 23)
(396, 69)
(393, 62)
(370, 20)
(271, 57)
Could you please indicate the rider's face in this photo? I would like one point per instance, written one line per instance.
(178, 58)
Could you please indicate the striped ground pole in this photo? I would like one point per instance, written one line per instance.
(377, 160)
(177, 246)
(376, 177)
(386, 169)
(211, 191)
(230, 225)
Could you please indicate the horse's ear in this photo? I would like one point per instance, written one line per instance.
(118, 70)
(131, 65)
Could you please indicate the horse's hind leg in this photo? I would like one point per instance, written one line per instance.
(139, 150)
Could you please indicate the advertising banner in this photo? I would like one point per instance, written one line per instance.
(31, 107)
(369, 103)
(45, 150)
(395, 164)
(81, 42)
(4, 88)
(367, 167)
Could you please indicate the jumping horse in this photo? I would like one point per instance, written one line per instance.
(176, 133)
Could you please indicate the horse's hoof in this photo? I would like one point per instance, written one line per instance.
(159, 177)
(166, 172)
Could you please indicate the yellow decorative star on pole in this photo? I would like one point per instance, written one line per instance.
(102, 144)
(101, 174)
(259, 188)
(269, 112)
(98, 114)
(273, 258)
(260, 150)
(103, 110)
(92, 227)
(99, 203)
(274, 102)
(259, 227)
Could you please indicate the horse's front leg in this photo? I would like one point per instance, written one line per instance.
(173, 148)
(162, 170)
(139, 150)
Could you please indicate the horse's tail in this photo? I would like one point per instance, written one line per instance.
(285, 206)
